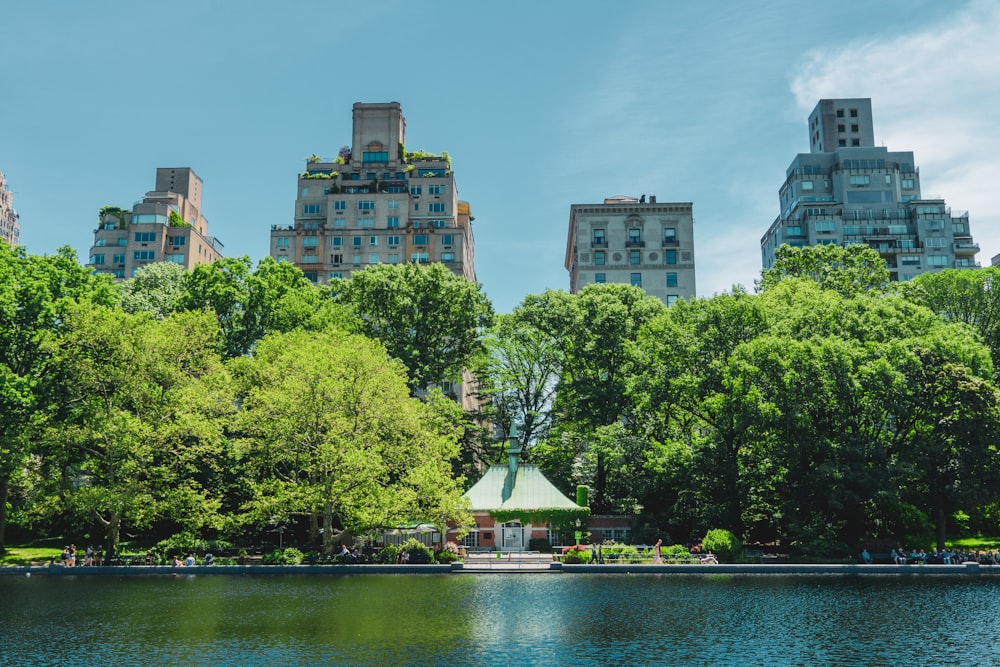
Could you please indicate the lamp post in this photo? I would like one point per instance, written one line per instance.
(578, 533)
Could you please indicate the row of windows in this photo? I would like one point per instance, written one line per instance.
(365, 205)
(634, 257)
(422, 257)
(391, 222)
(356, 241)
(634, 236)
(103, 242)
(636, 279)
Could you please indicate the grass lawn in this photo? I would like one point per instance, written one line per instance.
(975, 544)
(25, 555)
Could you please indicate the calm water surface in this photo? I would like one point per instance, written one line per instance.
(512, 619)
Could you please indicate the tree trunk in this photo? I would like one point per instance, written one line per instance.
(4, 491)
(313, 528)
(114, 532)
(328, 528)
(940, 519)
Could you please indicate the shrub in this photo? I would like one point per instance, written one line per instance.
(289, 556)
(448, 553)
(539, 544)
(419, 553)
(722, 543)
(577, 555)
(389, 554)
(677, 553)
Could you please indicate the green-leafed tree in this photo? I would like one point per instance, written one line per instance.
(849, 270)
(960, 295)
(155, 288)
(250, 303)
(35, 295)
(329, 429)
(426, 316)
(147, 405)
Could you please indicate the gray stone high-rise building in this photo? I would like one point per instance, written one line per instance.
(10, 228)
(849, 191)
(376, 203)
(165, 226)
(633, 241)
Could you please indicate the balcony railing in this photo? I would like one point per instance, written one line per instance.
(671, 243)
(635, 244)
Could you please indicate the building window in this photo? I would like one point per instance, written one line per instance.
(670, 257)
(101, 242)
(435, 207)
(282, 242)
(337, 258)
(937, 260)
(635, 279)
(599, 257)
(806, 185)
(366, 205)
(356, 241)
(670, 236)
(374, 156)
(355, 259)
(310, 226)
(393, 258)
(310, 242)
(416, 207)
(438, 224)
(366, 223)
(339, 223)
(393, 204)
(123, 241)
(826, 225)
(97, 260)
(907, 183)
(855, 142)
(435, 189)
(175, 258)
(634, 257)
(447, 257)
(854, 127)
(841, 127)
(600, 237)
(415, 190)
(340, 205)
(841, 143)
(861, 180)
(420, 239)
(372, 240)
(909, 260)
(935, 224)
(634, 236)
(336, 274)
(600, 278)
(840, 113)
(373, 258)
(119, 258)
(392, 222)
(175, 240)
(310, 259)
(421, 257)
(471, 539)
(144, 255)
(854, 113)
(671, 280)
(338, 241)
(145, 237)
(393, 241)
(448, 239)
(671, 299)
(794, 230)
(310, 209)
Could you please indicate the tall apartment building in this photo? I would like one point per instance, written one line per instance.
(628, 240)
(848, 191)
(376, 203)
(10, 228)
(165, 226)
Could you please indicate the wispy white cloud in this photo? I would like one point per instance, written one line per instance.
(934, 92)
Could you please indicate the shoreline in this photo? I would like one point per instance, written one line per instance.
(461, 568)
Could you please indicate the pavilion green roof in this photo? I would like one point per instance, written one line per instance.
(524, 489)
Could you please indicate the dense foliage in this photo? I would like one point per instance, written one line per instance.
(827, 410)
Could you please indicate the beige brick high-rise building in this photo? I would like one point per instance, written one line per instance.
(629, 240)
(376, 203)
(165, 226)
(10, 228)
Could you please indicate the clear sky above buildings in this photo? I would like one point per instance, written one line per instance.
(540, 104)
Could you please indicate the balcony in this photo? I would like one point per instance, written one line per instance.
(632, 243)
(966, 248)
(671, 243)
(598, 244)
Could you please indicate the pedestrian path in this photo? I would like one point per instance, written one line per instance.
(508, 561)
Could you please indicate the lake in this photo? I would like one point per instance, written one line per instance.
(499, 619)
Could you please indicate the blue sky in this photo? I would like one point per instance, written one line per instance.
(540, 104)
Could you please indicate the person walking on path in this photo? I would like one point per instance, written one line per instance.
(657, 558)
